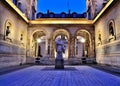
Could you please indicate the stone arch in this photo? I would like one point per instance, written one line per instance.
(60, 32)
(88, 42)
(84, 31)
(33, 40)
(40, 30)
(90, 37)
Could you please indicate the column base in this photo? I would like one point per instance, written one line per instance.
(59, 64)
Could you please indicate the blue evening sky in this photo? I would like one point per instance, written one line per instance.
(58, 6)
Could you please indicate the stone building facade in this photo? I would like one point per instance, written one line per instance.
(13, 36)
(94, 7)
(107, 51)
(19, 32)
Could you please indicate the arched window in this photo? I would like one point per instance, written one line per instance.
(63, 15)
(39, 15)
(15, 2)
(111, 29)
(20, 6)
(51, 15)
(74, 14)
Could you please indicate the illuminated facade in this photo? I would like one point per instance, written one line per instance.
(23, 38)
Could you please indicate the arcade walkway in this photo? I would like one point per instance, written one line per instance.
(48, 76)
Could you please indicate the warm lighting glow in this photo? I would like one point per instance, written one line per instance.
(103, 10)
(61, 21)
(17, 10)
(38, 40)
(82, 40)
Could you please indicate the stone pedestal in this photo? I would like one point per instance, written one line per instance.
(59, 63)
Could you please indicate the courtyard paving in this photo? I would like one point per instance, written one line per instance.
(48, 76)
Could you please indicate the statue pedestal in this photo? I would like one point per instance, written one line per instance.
(59, 63)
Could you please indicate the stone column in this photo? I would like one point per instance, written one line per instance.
(69, 48)
(37, 50)
(73, 46)
(49, 47)
(83, 53)
(28, 47)
(46, 47)
(53, 48)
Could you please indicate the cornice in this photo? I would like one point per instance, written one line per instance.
(10, 3)
(103, 10)
(82, 21)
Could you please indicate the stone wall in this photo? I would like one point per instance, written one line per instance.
(13, 49)
(108, 49)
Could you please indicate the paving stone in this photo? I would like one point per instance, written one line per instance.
(48, 76)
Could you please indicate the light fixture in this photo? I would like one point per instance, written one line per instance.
(38, 40)
(82, 40)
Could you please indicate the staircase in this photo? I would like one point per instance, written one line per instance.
(70, 61)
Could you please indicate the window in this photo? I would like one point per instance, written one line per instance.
(74, 15)
(63, 15)
(15, 2)
(20, 6)
(51, 15)
(39, 15)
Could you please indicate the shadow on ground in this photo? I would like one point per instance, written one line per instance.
(53, 69)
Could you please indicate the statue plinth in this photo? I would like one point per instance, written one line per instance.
(59, 63)
(60, 49)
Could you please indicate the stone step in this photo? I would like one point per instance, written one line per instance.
(70, 61)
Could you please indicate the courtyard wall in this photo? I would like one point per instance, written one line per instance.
(107, 44)
(13, 46)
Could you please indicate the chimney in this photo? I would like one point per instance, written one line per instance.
(48, 11)
(69, 12)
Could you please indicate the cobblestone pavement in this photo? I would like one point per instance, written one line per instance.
(48, 76)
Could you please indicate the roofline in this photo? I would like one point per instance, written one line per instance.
(61, 21)
(10, 3)
(103, 10)
(71, 20)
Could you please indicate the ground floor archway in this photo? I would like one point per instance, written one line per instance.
(82, 43)
(65, 36)
(38, 48)
(72, 36)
